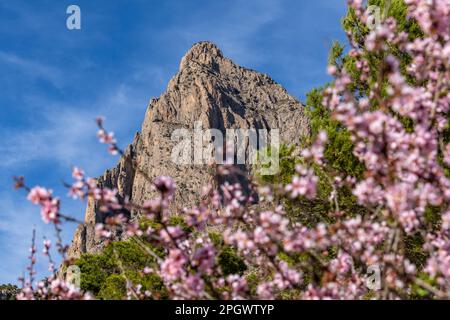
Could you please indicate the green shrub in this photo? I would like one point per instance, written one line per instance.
(95, 268)
(230, 262)
(114, 288)
(104, 274)
(8, 292)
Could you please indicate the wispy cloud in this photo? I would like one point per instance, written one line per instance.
(66, 133)
(31, 68)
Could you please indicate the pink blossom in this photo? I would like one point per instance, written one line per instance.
(165, 185)
(77, 173)
(106, 137)
(172, 267)
(38, 195)
(304, 185)
(49, 211)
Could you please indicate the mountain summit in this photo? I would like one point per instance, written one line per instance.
(202, 53)
(208, 90)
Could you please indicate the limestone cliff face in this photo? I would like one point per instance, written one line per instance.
(121, 178)
(208, 89)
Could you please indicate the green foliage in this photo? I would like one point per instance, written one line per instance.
(287, 167)
(216, 238)
(104, 274)
(227, 258)
(8, 292)
(336, 53)
(230, 263)
(413, 244)
(114, 288)
(179, 221)
(418, 292)
(414, 249)
(312, 211)
(174, 220)
(253, 279)
(95, 268)
(396, 9)
(339, 149)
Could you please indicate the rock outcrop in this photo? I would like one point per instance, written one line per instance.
(210, 90)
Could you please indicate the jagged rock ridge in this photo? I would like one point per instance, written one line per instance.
(208, 88)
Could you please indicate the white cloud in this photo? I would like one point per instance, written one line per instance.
(32, 68)
(66, 134)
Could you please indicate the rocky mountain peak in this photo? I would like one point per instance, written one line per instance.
(203, 53)
(210, 90)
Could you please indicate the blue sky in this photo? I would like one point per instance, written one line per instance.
(54, 82)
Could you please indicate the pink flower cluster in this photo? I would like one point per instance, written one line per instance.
(49, 205)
